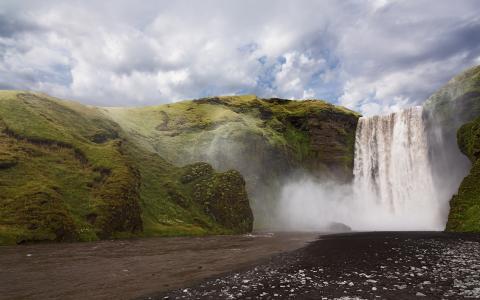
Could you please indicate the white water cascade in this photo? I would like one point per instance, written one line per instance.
(393, 182)
(394, 187)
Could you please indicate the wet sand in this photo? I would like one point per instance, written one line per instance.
(126, 269)
(379, 265)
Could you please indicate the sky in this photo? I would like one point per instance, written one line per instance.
(373, 56)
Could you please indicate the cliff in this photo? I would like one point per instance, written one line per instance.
(266, 140)
(465, 205)
(68, 173)
(452, 113)
(457, 102)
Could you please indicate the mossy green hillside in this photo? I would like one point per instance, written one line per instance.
(306, 132)
(57, 160)
(171, 205)
(451, 112)
(67, 172)
(457, 102)
(465, 206)
(266, 140)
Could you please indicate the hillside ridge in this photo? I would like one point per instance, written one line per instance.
(68, 172)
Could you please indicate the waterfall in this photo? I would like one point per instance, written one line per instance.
(393, 183)
(395, 186)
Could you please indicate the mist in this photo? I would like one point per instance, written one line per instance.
(307, 204)
(407, 166)
(401, 181)
(310, 205)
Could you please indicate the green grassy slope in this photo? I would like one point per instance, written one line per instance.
(265, 139)
(465, 206)
(187, 129)
(458, 101)
(68, 172)
(452, 111)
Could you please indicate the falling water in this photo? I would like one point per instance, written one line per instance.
(393, 184)
(394, 187)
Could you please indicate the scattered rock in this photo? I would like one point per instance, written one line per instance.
(338, 227)
(332, 269)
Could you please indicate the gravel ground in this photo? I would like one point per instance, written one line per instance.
(125, 269)
(381, 265)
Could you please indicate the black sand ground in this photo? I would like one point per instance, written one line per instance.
(383, 265)
(125, 269)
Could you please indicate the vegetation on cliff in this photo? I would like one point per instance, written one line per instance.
(465, 206)
(311, 131)
(266, 140)
(73, 172)
(458, 101)
(453, 113)
(68, 172)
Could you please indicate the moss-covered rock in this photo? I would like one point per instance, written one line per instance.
(468, 137)
(224, 198)
(117, 205)
(455, 104)
(38, 215)
(110, 177)
(196, 171)
(266, 140)
(465, 205)
(68, 172)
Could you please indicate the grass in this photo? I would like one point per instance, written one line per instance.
(169, 204)
(74, 172)
(465, 206)
(454, 109)
(71, 172)
(457, 102)
(34, 197)
(264, 139)
(183, 132)
(68, 172)
(77, 187)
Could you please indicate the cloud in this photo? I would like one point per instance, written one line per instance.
(12, 26)
(375, 56)
(398, 54)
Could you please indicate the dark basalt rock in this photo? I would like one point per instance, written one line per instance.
(338, 227)
(278, 100)
(165, 119)
(265, 113)
(103, 136)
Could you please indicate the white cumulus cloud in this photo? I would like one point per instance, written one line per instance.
(372, 56)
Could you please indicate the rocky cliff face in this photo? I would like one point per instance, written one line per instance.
(457, 102)
(68, 172)
(454, 105)
(266, 140)
(465, 205)
(72, 172)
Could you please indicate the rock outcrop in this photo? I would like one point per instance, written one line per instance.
(465, 205)
(451, 114)
(267, 140)
(70, 173)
